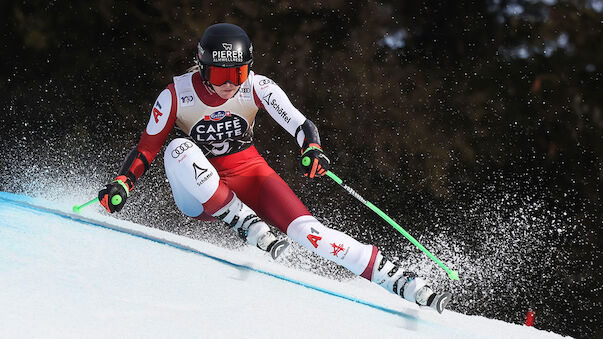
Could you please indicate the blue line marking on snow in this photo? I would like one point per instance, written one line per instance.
(27, 202)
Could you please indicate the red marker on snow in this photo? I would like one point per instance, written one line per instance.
(530, 315)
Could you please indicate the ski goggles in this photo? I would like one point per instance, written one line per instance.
(218, 76)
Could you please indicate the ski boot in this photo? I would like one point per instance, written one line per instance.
(269, 243)
(407, 285)
(427, 297)
(250, 227)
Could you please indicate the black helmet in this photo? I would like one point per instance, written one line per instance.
(223, 45)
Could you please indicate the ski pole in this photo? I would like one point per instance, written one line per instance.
(77, 208)
(116, 200)
(453, 275)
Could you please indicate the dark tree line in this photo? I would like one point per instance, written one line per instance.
(467, 86)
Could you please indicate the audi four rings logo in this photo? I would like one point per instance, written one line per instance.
(266, 82)
(180, 149)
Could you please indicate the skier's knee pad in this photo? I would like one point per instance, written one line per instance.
(330, 244)
(192, 177)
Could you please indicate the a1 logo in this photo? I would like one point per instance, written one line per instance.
(313, 238)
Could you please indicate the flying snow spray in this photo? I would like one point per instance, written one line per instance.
(453, 275)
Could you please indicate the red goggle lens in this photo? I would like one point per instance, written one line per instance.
(219, 75)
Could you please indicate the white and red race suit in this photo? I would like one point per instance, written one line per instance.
(223, 130)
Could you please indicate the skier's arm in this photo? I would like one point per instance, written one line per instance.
(269, 96)
(137, 162)
(313, 161)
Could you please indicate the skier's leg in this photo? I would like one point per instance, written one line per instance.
(331, 244)
(197, 190)
(262, 189)
(364, 260)
(249, 226)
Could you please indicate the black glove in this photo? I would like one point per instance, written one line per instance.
(114, 195)
(314, 162)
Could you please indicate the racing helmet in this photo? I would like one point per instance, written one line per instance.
(224, 54)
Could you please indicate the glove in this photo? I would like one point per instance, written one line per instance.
(314, 162)
(114, 195)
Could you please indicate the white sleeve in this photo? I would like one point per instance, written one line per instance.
(160, 113)
(278, 105)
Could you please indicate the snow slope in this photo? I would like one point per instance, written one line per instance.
(69, 276)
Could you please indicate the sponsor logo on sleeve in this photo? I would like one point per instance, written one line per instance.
(156, 112)
(279, 110)
(160, 113)
(266, 81)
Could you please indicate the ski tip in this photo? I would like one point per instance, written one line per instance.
(454, 275)
(76, 209)
(278, 248)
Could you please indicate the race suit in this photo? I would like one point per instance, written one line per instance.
(223, 130)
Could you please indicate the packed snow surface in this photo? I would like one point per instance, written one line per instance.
(93, 276)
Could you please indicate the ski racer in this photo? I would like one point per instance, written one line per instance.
(218, 173)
